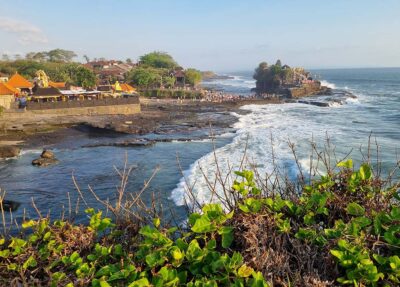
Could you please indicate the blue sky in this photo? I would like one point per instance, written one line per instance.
(217, 35)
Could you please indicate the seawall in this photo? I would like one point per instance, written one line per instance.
(64, 113)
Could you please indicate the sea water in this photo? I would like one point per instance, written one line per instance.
(366, 102)
(364, 108)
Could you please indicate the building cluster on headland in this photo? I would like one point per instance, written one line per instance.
(18, 92)
(50, 81)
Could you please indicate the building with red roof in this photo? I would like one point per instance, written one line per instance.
(18, 82)
(7, 95)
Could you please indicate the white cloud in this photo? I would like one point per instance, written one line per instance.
(26, 32)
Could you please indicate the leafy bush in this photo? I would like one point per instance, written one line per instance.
(342, 229)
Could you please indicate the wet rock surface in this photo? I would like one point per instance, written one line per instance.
(9, 151)
(46, 158)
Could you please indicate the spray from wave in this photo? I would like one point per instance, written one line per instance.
(327, 84)
(253, 136)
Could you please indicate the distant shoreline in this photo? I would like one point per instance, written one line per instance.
(169, 115)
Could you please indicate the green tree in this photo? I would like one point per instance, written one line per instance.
(193, 77)
(40, 57)
(168, 81)
(82, 76)
(60, 55)
(86, 58)
(158, 60)
(144, 77)
(27, 68)
(5, 57)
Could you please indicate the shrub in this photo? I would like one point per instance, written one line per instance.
(343, 228)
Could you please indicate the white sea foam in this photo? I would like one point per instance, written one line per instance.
(327, 84)
(254, 131)
(31, 151)
(352, 100)
(334, 104)
(236, 81)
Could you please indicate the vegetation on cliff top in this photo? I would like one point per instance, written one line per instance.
(154, 70)
(271, 78)
(343, 228)
(160, 70)
(57, 64)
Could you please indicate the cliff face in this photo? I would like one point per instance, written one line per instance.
(307, 89)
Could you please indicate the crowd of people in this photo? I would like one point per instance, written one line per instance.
(220, 96)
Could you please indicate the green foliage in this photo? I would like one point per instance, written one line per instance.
(347, 216)
(348, 220)
(193, 77)
(56, 55)
(71, 73)
(145, 77)
(272, 78)
(158, 60)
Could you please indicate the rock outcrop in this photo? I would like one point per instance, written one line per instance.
(46, 158)
(9, 151)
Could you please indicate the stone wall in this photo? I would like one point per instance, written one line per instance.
(83, 104)
(6, 101)
(127, 109)
(47, 111)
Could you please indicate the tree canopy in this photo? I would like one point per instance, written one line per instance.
(144, 77)
(193, 76)
(158, 60)
(72, 73)
(56, 55)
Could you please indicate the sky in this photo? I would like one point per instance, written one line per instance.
(218, 35)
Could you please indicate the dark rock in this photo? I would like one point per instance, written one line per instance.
(47, 154)
(44, 161)
(9, 151)
(10, 205)
(46, 158)
(314, 103)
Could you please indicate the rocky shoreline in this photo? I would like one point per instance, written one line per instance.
(163, 117)
(158, 117)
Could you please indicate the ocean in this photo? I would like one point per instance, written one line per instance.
(364, 107)
(365, 104)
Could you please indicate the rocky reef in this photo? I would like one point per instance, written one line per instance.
(9, 151)
(46, 158)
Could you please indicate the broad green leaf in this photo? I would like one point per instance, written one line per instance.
(30, 262)
(346, 164)
(28, 224)
(104, 284)
(203, 225)
(395, 213)
(227, 236)
(245, 271)
(194, 252)
(355, 209)
(156, 222)
(365, 172)
(143, 282)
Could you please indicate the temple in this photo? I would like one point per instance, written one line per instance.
(18, 92)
